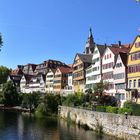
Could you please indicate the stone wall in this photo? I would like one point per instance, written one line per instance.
(113, 124)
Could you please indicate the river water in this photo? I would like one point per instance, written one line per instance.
(15, 126)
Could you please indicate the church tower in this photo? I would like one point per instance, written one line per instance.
(90, 44)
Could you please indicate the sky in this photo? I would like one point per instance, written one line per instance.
(38, 30)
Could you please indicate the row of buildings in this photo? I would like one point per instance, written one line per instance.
(117, 64)
(49, 76)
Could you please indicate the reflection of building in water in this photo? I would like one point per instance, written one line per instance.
(20, 127)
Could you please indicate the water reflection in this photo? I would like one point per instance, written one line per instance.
(14, 126)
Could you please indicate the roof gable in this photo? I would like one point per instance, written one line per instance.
(85, 57)
(101, 49)
(122, 57)
(107, 50)
(133, 48)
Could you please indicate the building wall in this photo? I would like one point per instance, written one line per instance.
(134, 75)
(57, 81)
(22, 84)
(49, 81)
(120, 79)
(78, 81)
(93, 73)
(107, 69)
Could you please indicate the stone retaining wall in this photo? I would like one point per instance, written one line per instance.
(113, 124)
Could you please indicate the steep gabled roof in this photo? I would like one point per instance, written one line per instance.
(86, 58)
(17, 71)
(16, 79)
(101, 49)
(65, 69)
(28, 77)
(117, 50)
(124, 57)
(134, 42)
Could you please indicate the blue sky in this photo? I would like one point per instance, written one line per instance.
(37, 30)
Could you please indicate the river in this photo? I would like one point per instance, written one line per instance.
(15, 126)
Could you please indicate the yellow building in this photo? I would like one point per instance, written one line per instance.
(134, 71)
(81, 62)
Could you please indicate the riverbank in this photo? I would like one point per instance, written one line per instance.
(111, 124)
(15, 108)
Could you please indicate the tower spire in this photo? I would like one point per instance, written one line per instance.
(90, 32)
(90, 44)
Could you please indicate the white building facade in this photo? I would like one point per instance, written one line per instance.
(30, 83)
(120, 77)
(108, 62)
(49, 81)
(94, 72)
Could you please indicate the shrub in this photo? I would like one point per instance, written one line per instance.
(111, 109)
(123, 110)
(41, 110)
(101, 108)
(76, 99)
(107, 100)
(135, 108)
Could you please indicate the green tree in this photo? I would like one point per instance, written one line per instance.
(30, 100)
(10, 94)
(52, 101)
(100, 87)
(4, 72)
(76, 99)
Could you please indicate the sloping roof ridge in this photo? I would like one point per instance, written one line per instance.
(133, 42)
(84, 54)
(64, 69)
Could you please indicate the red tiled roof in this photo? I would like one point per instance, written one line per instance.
(126, 45)
(116, 50)
(65, 69)
(16, 71)
(70, 65)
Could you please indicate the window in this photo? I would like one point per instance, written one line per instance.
(137, 44)
(139, 83)
(107, 56)
(135, 56)
(96, 52)
(119, 76)
(108, 75)
(130, 83)
(120, 86)
(135, 68)
(123, 96)
(134, 84)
